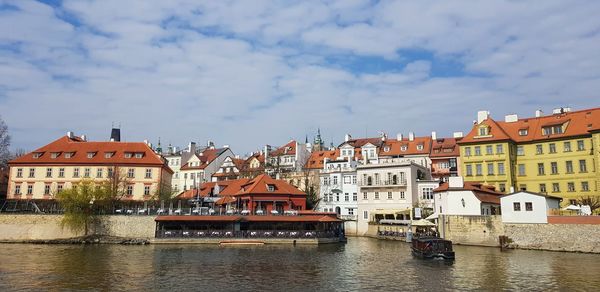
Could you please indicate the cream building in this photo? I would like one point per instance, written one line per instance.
(63, 163)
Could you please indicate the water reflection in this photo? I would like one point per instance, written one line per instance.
(362, 264)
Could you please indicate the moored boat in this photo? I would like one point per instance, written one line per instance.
(432, 247)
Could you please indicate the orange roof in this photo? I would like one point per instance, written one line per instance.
(102, 153)
(225, 200)
(394, 146)
(577, 123)
(485, 194)
(259, 185)
(287, 149)
(317, 158)
(357, 143)
(190, 194)
(444, 147)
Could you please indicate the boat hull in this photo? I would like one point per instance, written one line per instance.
(448, 255)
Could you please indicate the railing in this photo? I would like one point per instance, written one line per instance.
(348, 217)
(374, 183)
(246, 234)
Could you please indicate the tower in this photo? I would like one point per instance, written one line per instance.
(158, 147)
(318, 141)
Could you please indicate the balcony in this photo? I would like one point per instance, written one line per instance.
(338, 169)
(348, 217)
(382, 183)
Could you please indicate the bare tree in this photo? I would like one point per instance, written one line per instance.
(4, 143)
(592, 201)
(117, 183)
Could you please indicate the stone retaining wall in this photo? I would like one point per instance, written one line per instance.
(471, 230)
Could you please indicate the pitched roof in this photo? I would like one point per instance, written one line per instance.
(259, 185)
(357, 143)
(535, 194)
(394, 147)
(287, 149)
(79, 150)
(485, 194)
(444, 147)
(206, 157)
(576, 123)
(317, 158)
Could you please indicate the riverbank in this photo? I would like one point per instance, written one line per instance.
(90, 239)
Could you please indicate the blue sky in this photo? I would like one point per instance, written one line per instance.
(249, 73)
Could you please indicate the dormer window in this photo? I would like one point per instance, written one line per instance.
(523, 132)
(484, 130)
(420, 147)
(403, 148)
(139, 155)
(37, 155)
(386, 149)
(54, 155)
(552, 130)
(128, 154)
(91, 154)
(108, 154)
(271, 188)
(69, 154)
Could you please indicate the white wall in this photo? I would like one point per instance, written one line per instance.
(453, 204)
(539, 214)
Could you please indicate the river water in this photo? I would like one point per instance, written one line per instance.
(361, 264)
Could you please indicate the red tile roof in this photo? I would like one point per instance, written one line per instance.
(317, 158)
(486, 194)
(80, 150)
(287, 149)
(445, 147)
(357, 143)
(259, 185)
(394, 147)
(578, 123)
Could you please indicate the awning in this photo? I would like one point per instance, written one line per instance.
(389, 212)
(422, 222)
(433, 216)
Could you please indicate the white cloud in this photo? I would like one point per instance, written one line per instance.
(246, 73)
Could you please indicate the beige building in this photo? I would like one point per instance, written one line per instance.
(44, 172)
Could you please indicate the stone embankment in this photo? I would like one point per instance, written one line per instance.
(91, 239)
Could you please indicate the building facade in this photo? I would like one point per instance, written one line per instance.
(63, 163)
(550, 154)
(457, 197)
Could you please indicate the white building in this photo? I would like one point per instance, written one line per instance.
(527, 207)
(457, 197)
(387, 191)
(287, 158)
(201, 166)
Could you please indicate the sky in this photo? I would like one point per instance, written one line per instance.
(250, 73)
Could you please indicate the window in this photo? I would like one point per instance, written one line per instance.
(346, 179)
(127, 155)
(30, 189)
(403, 148)
(139, 155)
(490, 168)
(467, 151)
(420, 147)
(148, 172)
(478, 169)
(91, 154)
(46, 189)
(401, 195)
(539, 149)
(523, 187)
(521, 169)
(61, 172)
(502, 187)
(130, 190)
(354, 180)
(54, 155)
(351, 211)
(489, 150)
(555, 187)
(354, 197)
(76, 172)
(499, 149)
(469, 170)
(365, 197)
(59, 188)
(523, 132)
(49, 172)
(557, 129)
(477, 151)
(520, 151)
(517, 206)
(335, 180)
(428, 193)
(32, 172)
(376, 195)
(86, 172)
(346, 197)
(580, 145)
(483, 131)
(389, 195)
(337, 197)
(582, 166)
(501, 168)
(109, 173)
(571, 186)
(69, 154)
(131, 173)
(552, 148)
(528, 206)
(19, 172)
(366, 215)
(543, 188)
(554, 167)
(108, 154)
(17, 189)
(567, 146)
(146, 190)
(585, 186)
(99, 172)
(569, 166)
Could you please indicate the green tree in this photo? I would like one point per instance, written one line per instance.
(80, 201)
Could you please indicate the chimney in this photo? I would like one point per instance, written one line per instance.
(225, 146)
(455, 182)
(433, 135)
(566, 109)
(146, 141)
(115, 135)
(511, 118)
(70, 135)
(482, 116)
(210, 144)
(399, 137)
(458, 134)
(411, 136)
(84, 138)
(347, 137)
(557, 111)
(266, 152)
(538, 113)
(192, 147)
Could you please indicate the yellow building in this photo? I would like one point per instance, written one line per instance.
(556, 154)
